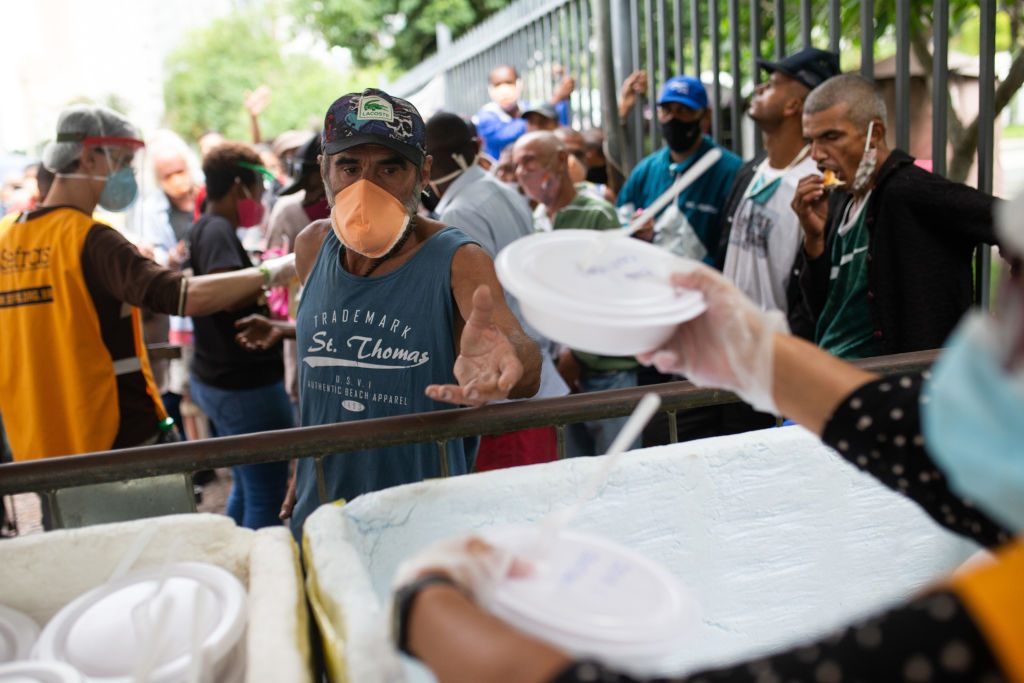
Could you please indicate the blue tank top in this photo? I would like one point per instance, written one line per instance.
(368, 347)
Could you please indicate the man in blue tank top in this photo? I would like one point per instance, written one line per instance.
(399, 314)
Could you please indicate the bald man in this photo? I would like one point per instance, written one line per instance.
(542, 168)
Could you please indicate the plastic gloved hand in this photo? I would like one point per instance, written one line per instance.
(279, 270)
(474, 565)
(729, 346)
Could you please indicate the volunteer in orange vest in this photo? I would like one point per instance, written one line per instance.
(75, 377)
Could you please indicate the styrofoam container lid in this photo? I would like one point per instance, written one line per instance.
(607, 295)
(596, 273)
(594, 598)
(165, 603)
(18, 633)
(38, 672)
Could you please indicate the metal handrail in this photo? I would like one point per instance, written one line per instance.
(190, 456)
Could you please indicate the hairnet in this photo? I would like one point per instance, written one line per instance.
(88, 124)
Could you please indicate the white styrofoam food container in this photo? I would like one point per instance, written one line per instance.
(597, 293)
(45, 572)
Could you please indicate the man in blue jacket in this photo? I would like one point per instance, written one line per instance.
(500, 122)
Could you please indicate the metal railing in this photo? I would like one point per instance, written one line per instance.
(316, 442)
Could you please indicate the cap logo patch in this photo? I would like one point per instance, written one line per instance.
(374, 108)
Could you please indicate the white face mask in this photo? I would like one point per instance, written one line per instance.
(460, 161)
(866, 167)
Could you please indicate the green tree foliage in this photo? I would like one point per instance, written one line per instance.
(395, 34)
(209, 73)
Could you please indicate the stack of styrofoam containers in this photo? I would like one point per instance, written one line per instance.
(249, 584)
(777, 539)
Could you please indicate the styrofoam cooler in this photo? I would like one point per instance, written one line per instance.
(263, 626)
(776, 538)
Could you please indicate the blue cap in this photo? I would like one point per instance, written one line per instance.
(685, 90)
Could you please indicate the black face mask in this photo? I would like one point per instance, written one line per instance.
(680, 135)
(429, 199)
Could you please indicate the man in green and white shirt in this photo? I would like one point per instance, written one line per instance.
(542, 169)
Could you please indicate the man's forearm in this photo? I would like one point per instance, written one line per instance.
(529, 355)
(206, 294)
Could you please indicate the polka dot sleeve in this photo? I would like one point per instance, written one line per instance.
(878, 429)
(929, 639)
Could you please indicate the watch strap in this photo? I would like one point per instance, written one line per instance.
(403, 601)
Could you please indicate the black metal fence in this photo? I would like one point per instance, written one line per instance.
(721, 40)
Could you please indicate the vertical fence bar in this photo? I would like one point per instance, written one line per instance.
(652, 69)
(664, 66)
(678, 30)
(835, 26)
(586, 74)
(636, 118)
(780, 30)
(986, 138)
(940, 84)
(695, 36)
(716, 65)
(903, 74)
(735, 110)
(576, 58)
(755, 55)
(621, 27)
(614, 132)
(805, 23)
(867, 39)
(548, 60)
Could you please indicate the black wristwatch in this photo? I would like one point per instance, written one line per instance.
(402, 603)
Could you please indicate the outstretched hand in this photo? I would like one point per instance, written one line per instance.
(487, 367)
(257, 333)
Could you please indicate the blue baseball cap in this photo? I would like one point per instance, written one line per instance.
(685, 90)
(374, 117)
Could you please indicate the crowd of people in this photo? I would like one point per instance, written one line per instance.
(347, 274)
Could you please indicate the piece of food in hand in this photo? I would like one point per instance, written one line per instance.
(830, 179)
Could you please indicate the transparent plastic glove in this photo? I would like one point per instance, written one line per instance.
(474, 565)
(279, 270)
(729, 346)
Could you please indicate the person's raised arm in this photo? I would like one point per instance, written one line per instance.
(497, 360)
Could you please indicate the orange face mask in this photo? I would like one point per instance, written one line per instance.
(368, 219)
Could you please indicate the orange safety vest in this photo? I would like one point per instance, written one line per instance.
(58, 381)
(994, 597)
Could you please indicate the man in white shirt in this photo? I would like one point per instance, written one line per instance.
(760, 229)
(494, 215)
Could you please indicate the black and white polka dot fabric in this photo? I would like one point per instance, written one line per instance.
(931, 639)
(878, 429)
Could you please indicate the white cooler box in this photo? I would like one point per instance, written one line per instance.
(42, 573)
(776, 538)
